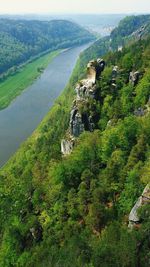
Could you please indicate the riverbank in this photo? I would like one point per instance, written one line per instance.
(23, 115)
(14, 85)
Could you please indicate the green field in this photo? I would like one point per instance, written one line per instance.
(14, 85)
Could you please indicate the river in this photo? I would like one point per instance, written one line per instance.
(22, 116)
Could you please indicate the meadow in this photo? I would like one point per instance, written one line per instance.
(16, 83)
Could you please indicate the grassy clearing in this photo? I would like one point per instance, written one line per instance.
(14, 85)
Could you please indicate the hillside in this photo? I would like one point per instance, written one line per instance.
(74, 210)
(127, 27)
(21, 40)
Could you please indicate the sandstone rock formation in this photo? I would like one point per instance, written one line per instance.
(144, 199)
(66, 146)
(134, 77)
(80, 120)
(94, 69)
(139, 112)
(115, 72)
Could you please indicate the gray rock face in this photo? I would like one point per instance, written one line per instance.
(134, 77)
(94, 69)
(139, 112)
(142, 200)
(99, 67)
(85, 89)
(115, 72)
(77, 125)
(114, 75)
(120, 48)
(66, 147)
(139, 33)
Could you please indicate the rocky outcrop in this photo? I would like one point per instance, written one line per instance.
(139, 112)
(144, 199)
(115, 72)
(139, 33)
(143, 111)
(134, 77)
(66, 146)
(94, 69)
(80, 120)
(120, 48)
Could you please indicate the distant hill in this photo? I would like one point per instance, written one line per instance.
(127, 27)
(129, 30)
(101, 24)
(21, 40)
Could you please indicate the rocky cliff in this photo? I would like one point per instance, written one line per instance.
(87, 90)
(80, 118)
(144, 199)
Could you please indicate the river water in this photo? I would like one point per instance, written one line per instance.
(19, 120)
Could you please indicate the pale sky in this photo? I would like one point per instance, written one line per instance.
(74, 6)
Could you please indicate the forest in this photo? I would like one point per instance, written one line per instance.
(23, 40)
(73, 210)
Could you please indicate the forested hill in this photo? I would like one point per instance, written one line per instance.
(128, 27)
(129, 30)
(130, 24)
(21, 40)
(62, 211)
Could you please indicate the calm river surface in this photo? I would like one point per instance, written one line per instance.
(20, 119)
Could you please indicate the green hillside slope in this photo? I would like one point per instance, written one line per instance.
(21, 40)
(61, 211)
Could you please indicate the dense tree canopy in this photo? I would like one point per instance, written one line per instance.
(21, 40)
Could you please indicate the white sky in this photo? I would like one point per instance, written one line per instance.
(74, 6)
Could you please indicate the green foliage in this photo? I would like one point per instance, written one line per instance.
(15, 84)
(126, 27)
(73, 211)
(116, 247)
(142, 91)
(21, 40)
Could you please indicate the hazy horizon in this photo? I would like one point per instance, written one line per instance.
(68, 7)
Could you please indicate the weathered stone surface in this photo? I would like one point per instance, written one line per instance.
(139, 112)
(134, 77)
(85, 89)
(91, 71)
(76, 125)
(120, 48)
(94, 69)
(73, 114)
(66, 147)
(115, 71)
(139, 33)
(99, 67)
(142, 200)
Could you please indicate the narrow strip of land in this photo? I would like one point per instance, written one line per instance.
(15, 84)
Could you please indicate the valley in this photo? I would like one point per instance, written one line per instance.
(23, 115)
(75, 152)
(11, 87)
